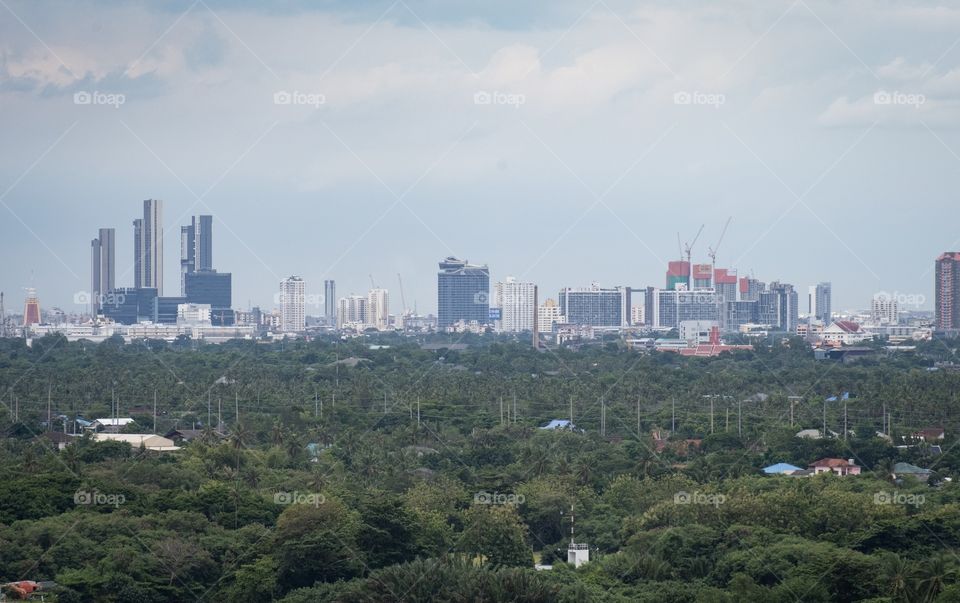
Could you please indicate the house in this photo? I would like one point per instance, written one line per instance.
(558, 424)
(180, 436)
(110, 425)
(841, 467)
(906, 469)
(930, 434)
(57, 439)
(149, 441)
(781, 469)
(844, 332)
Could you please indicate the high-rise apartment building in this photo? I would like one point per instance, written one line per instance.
(664, 308)
(548, 314)
(196, 248)
(947, 291)
(516, 303)
(819, 303)
(596, 307)
(330, 301)
(353, 310)
(378, 308)
(148, 247)
(102, 267)
(292, 301)
(463, 293)
(885, 309)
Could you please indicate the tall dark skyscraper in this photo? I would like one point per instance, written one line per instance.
(819, 303)
(947, 290)
(463, 292)
(196, 248)
(102, 267)
(330, 301)
(148, 247)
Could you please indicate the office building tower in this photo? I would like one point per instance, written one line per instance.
(292, 300)
(750, 289)
(148, 247)
(353, 310)
(463, 293)
(214, 289)
(196, 247)
(819, 303)
(31, 308)
(330, 301)
(516, 303)
(947, 291)
(378, 308)
(595, 306)
(778, 307)
(128, 306)
(548, 314)
(885, 309)
(102, 267)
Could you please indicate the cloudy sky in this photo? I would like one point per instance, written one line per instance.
(562, 144)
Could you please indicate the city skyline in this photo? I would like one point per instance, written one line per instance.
(370, 165)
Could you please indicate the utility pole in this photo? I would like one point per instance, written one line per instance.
(844, 421)
(740, 419)
(726, 428)
(208, 409)
(49, 413)
(514, 408)
(154, 411)
(418, 411)
(384, 402)
(571, 412)
(501, 410)
(638, 416)
(220, 415)
(316, 403)
(673, 415)
(603, 417)
(824, 417)
(883, 419)
(711, 414)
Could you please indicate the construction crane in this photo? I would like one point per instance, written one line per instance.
(712, 251)
(373, 285)
(688, 249)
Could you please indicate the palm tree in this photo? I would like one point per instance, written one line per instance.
(277, 433)
(239, 436)
(933, 576)
(896, 574)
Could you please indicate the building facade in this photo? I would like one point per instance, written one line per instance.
(353, 310)
(102, 267)
(463, 293)
(196, 247)
(378, 308)
(516, 301)
(819, 302)
(884, 309)
(548, 314)
(148, 247)
(947, 291)
(595, 306)
(292, 300)
(330, 301)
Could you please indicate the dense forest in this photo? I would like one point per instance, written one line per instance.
(388, 468)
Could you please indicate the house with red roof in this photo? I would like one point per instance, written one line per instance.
(844, 332)
(841, 467)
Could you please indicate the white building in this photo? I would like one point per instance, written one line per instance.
(353, 311)
(844, 332)
(548, 315)
(292, 299)
(636, 315)
(884, 309)
(515, 301)
(193, 314)
(695, 332)
(378, 308)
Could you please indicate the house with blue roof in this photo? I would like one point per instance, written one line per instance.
(781, 469)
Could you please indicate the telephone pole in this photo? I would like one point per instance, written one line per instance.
(154, 411)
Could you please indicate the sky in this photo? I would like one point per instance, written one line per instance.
(561, 143)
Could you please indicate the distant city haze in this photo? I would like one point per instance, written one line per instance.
(558, 144)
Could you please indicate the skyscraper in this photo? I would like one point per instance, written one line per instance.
(378, 308)
(819, 302)
(947, 291)
(463, 293)
(196, 247)
(353, 310)
(330, 301)
(292, 318)
(885, 309)
(148, 247)
(595, 306)
(516, 304)
(102, 267)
